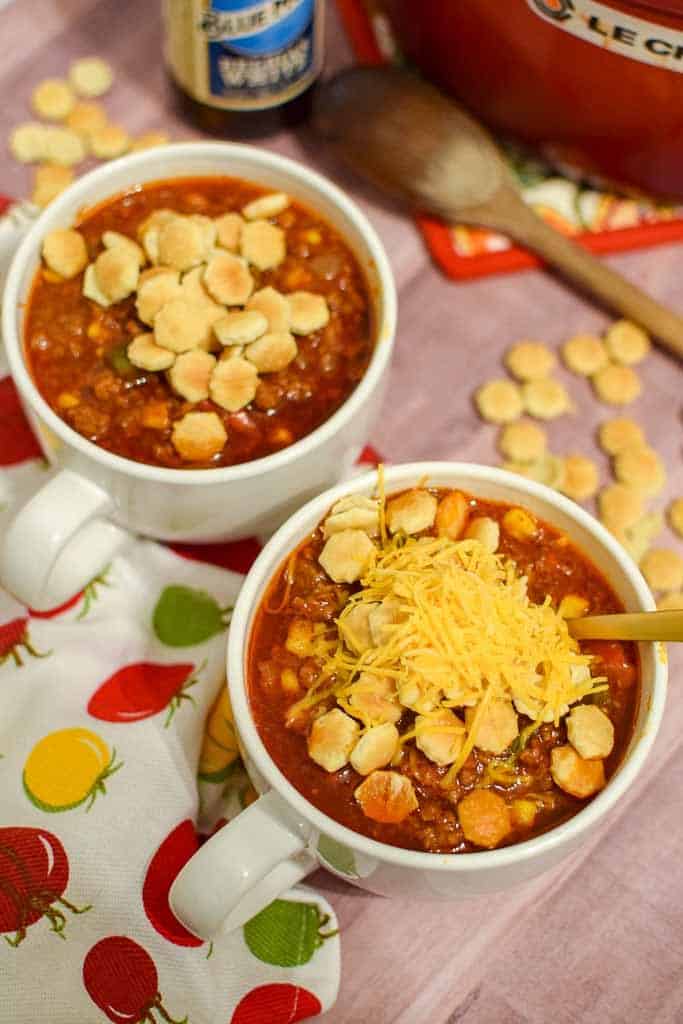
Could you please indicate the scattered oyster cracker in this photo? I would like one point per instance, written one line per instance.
(581, 478)
(615, 384)
(499, 401)
(523, 441)
(90, 76)
(78, 128)
(53, 99)
(620, 507)
(609, 361)
(110, 141)
(639, 470)
(585, 354)
(640, 467)
(627, 343)
(662, 569)
(616, 434)
(530, 360)
(545, 398)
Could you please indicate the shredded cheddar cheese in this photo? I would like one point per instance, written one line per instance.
(461, 632)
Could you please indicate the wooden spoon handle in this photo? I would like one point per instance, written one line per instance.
(629, 626)
(508, 213)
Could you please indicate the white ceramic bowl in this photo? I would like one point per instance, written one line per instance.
(101, 492)
(282, 836)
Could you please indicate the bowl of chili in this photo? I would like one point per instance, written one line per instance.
(422, 817)
(118, 429)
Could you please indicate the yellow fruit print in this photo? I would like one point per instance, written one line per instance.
(66, 768)
(219, 749)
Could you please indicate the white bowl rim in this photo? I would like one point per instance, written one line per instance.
(260, 158)
(403, 475)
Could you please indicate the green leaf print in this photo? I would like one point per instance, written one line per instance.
(338, 856)
(91, 594)
(184, 616)
(287, 934)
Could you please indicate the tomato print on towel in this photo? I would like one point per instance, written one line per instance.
(277, 1004)
(60, 609)
(143, 689)
(15, 641)
(172, 855)
(88, 596)
(34, 873)
(67, 768)
(121, 979)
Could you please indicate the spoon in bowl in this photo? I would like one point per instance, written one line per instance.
(664, 626)
(424, 150)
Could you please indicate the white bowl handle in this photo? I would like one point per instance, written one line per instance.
(243, 867)
(58, 541)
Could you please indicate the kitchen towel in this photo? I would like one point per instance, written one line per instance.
(117, 757)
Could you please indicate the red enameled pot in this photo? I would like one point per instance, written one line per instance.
(597, 87)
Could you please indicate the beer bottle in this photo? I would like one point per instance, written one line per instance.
(244, 68)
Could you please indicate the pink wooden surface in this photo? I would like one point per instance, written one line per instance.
(600, 938)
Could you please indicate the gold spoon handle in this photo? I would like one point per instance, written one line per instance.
(629, 626)
(510, 214)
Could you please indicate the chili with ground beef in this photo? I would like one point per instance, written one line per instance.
(76, 349)
(301, 589)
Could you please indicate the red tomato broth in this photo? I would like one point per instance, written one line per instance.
(554, 566)
(289, 404)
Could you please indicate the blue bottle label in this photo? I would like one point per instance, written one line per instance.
(245, 55)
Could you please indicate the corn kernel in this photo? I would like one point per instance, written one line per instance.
(299, 637)
(67, 401)
(281, 436)
(313, 236)
(297, 277)
(94, 330)
(519, 524)
(523, 813)
(572, 606)
(289, 680)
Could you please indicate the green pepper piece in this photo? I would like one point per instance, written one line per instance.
(119, 362)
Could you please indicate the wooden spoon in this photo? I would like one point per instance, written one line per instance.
(423, 149)
(629, 626)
